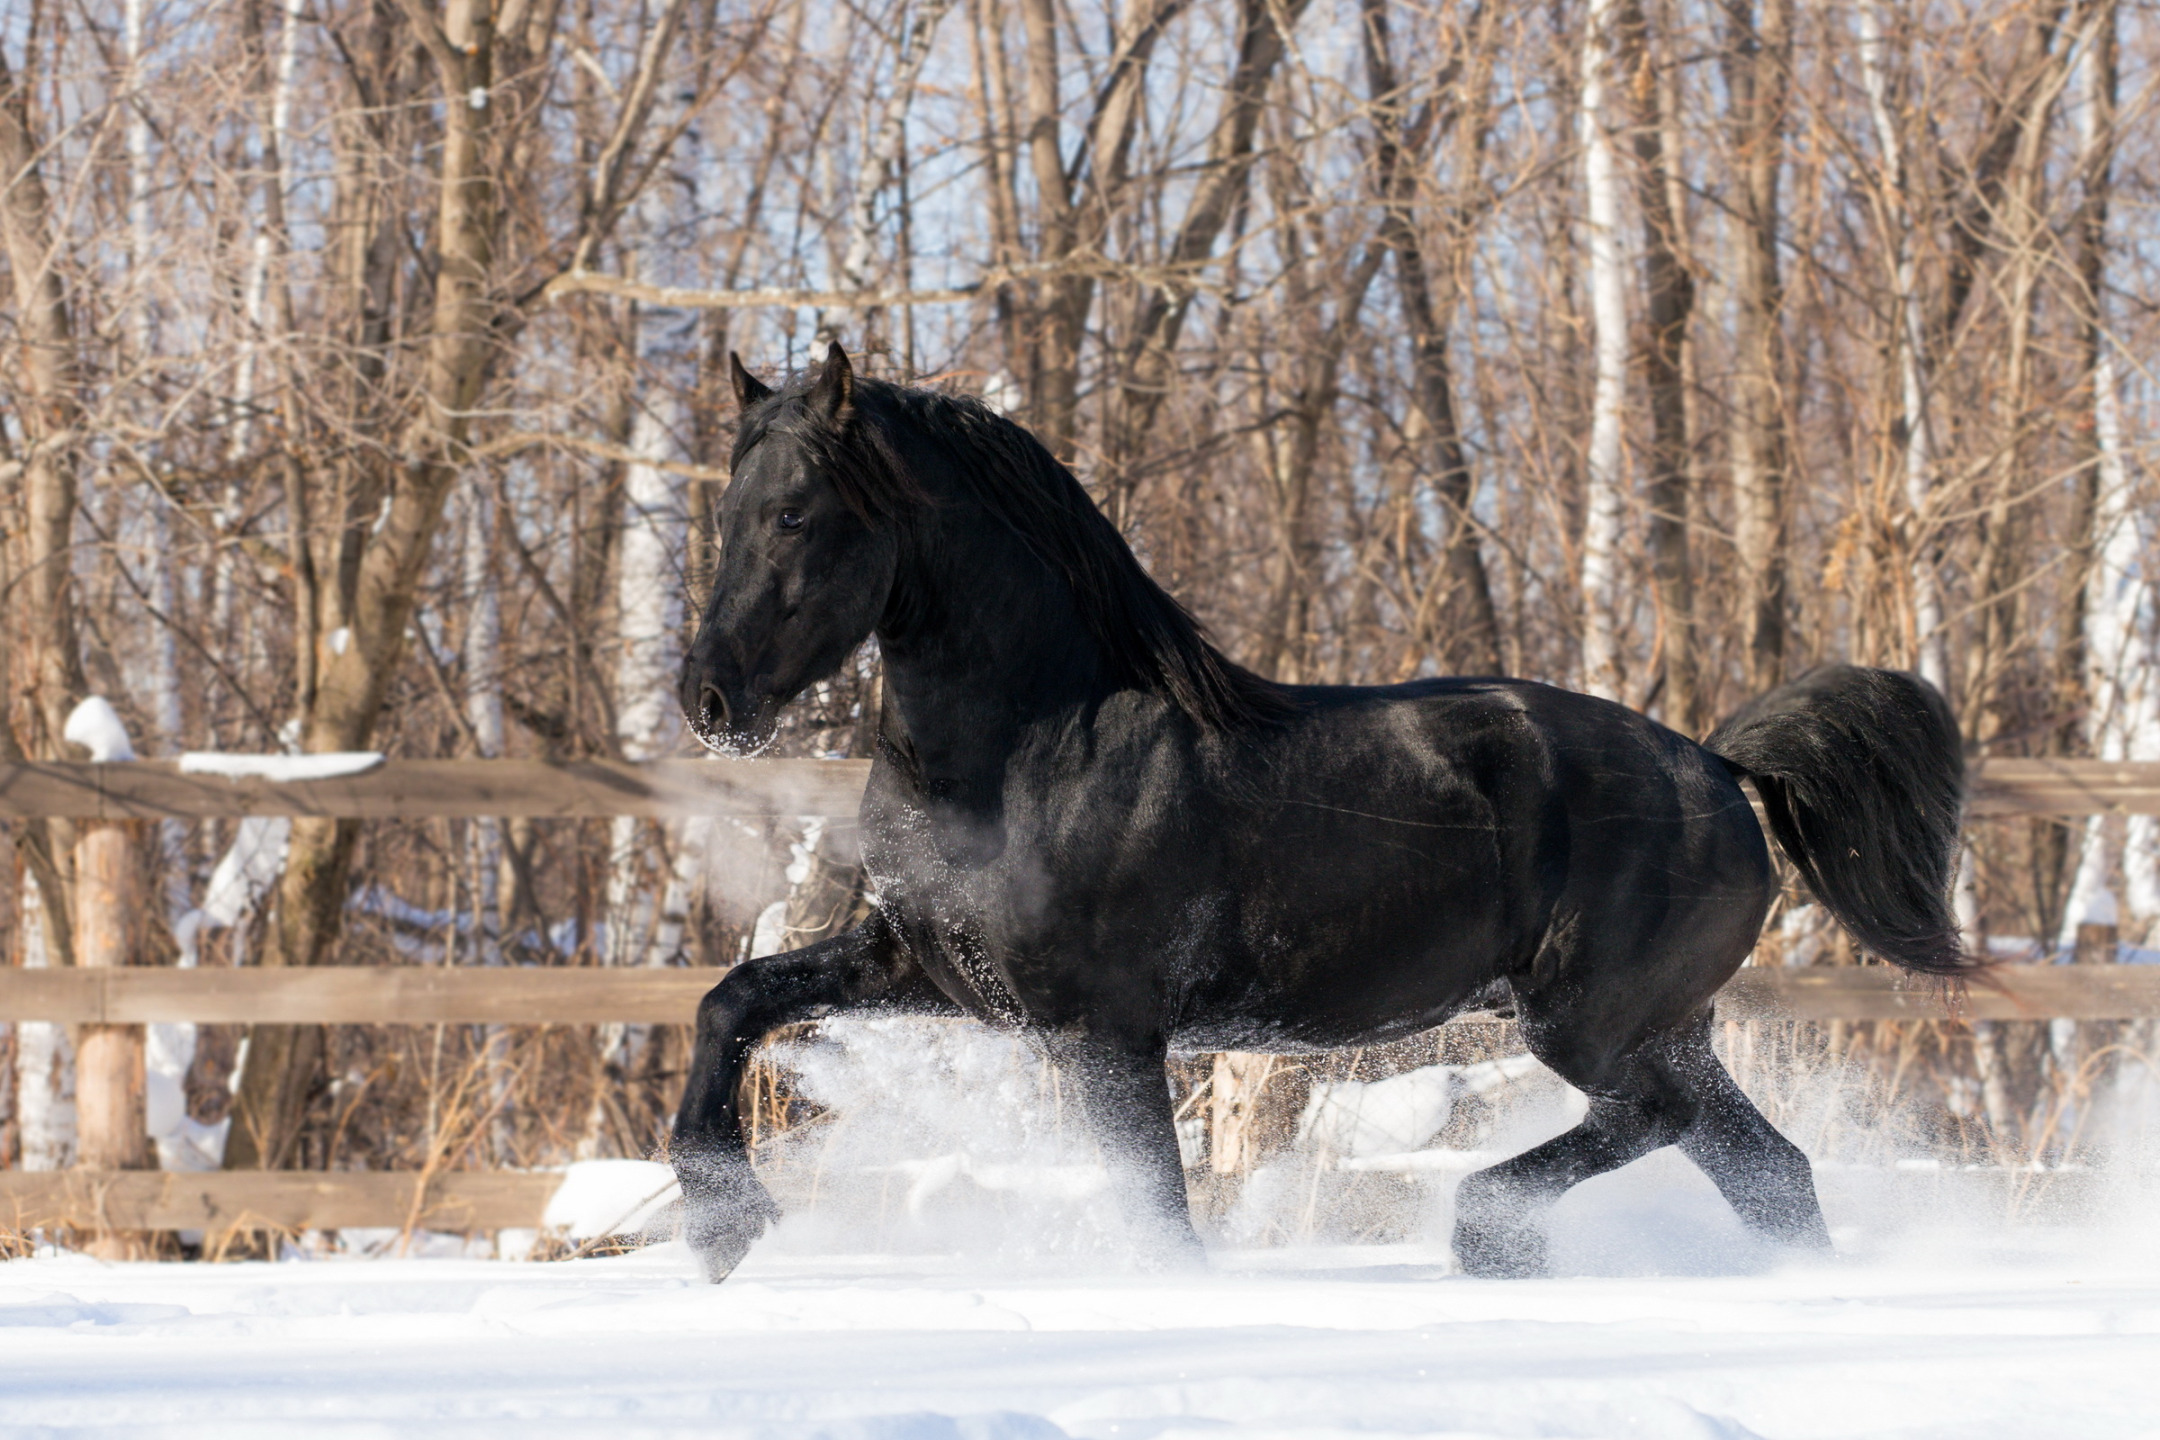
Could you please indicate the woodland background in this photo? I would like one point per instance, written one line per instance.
(363, 389)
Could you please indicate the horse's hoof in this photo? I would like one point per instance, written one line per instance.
(1172, 1255)
(725, 1211)
(1500, 1252)
(720, 1235)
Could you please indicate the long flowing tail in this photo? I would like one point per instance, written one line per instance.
(1863, 778)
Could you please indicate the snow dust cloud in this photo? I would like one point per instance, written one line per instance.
(953, 1139)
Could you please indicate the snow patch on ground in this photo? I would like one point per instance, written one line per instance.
(611, 1197)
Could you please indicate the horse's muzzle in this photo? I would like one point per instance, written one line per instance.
(737, 726)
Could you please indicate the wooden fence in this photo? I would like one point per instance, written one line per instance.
(457, 789)
(551, 995)
(673, 789)
(469, 1200)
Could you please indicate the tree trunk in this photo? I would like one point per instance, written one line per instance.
(48, 373)
(883, 157)
(44, 1056)
(1908, 343)
(1075, 221)
(2121, 675)
(41, 596)
(355, 675)
(1758, 77)
(1469, 631)
(1604, 499)
(1669, 293)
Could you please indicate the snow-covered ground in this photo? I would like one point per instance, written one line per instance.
(951, 1267)
(2015, 1337)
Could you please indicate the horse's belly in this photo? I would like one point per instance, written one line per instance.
(1320, 977)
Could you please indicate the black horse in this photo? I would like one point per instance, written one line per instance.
(1085, 823)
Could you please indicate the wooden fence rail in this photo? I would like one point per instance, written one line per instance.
(673, 789)
(273, 1199)
(457, 789)
(543, 995)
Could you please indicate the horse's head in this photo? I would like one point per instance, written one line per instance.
(807, 556)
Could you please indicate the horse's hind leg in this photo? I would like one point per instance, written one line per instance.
(1761, 1174)
(725, 1208)
(1499, 1212)
(1670, 1090)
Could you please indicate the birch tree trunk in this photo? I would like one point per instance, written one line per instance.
(44, 1058)
(1931, 641)
(1758, 75)
(168, 1049)
(882, 158)
(649, 871)
(1605, 462)
(2122, 674)
(1669, 293)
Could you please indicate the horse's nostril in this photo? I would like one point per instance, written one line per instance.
(712, 707)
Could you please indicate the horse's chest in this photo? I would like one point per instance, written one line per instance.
(959, 927)
(962, 963)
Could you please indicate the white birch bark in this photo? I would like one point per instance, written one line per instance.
(255, 286)
(44, 1061)
(484, 713)
(483, 694)
(649, 601)
(255, 322)
(168, 1049)
(1931, 641)
(882, 155)
(645, 928)
(1605, 462)
(2120, 599)
(141, 327)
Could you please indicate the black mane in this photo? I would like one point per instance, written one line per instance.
(1151, 640)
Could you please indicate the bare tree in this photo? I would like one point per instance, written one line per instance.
(1605, 468)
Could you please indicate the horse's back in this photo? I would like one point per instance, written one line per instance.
(1408, 845)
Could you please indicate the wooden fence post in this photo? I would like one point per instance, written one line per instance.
(110, 1124)
(1240, 1080)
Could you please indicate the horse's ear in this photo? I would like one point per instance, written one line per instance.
(748, 388)
(832, 397)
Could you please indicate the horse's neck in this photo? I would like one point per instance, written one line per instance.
(990, 646)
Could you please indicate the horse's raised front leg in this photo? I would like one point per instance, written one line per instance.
(1125, 1090)
(725, 1208)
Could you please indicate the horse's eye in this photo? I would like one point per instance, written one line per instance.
(791, 519)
